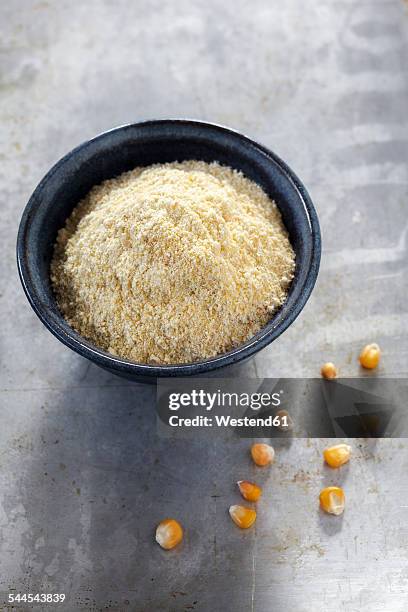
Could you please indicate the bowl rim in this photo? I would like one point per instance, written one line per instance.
(131, 368)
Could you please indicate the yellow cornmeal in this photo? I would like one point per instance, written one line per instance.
(172, 263)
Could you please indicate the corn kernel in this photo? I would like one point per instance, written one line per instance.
(337, 455)
(286, 421)
(370, 356)
(169, 533)
(249, 490)
(242, 516)
(329, 370)
(332, 500)
(262, 454)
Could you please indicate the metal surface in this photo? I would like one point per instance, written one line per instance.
(83, 475)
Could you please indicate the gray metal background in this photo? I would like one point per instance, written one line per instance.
(84, 477)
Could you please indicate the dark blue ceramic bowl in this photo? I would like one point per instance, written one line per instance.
(142, 144)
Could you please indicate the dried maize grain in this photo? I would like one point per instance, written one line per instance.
(242, 516)
(370, 356)
(249, 490)
(286, 421)
(332, 500)
(329, 370)
(262, 454)
(169, 533)
(337, 455)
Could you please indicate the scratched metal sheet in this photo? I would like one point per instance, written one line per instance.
(84, 476)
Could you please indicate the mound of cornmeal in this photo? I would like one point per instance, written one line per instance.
(172, 263)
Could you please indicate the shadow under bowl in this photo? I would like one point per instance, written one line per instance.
(142, 144)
